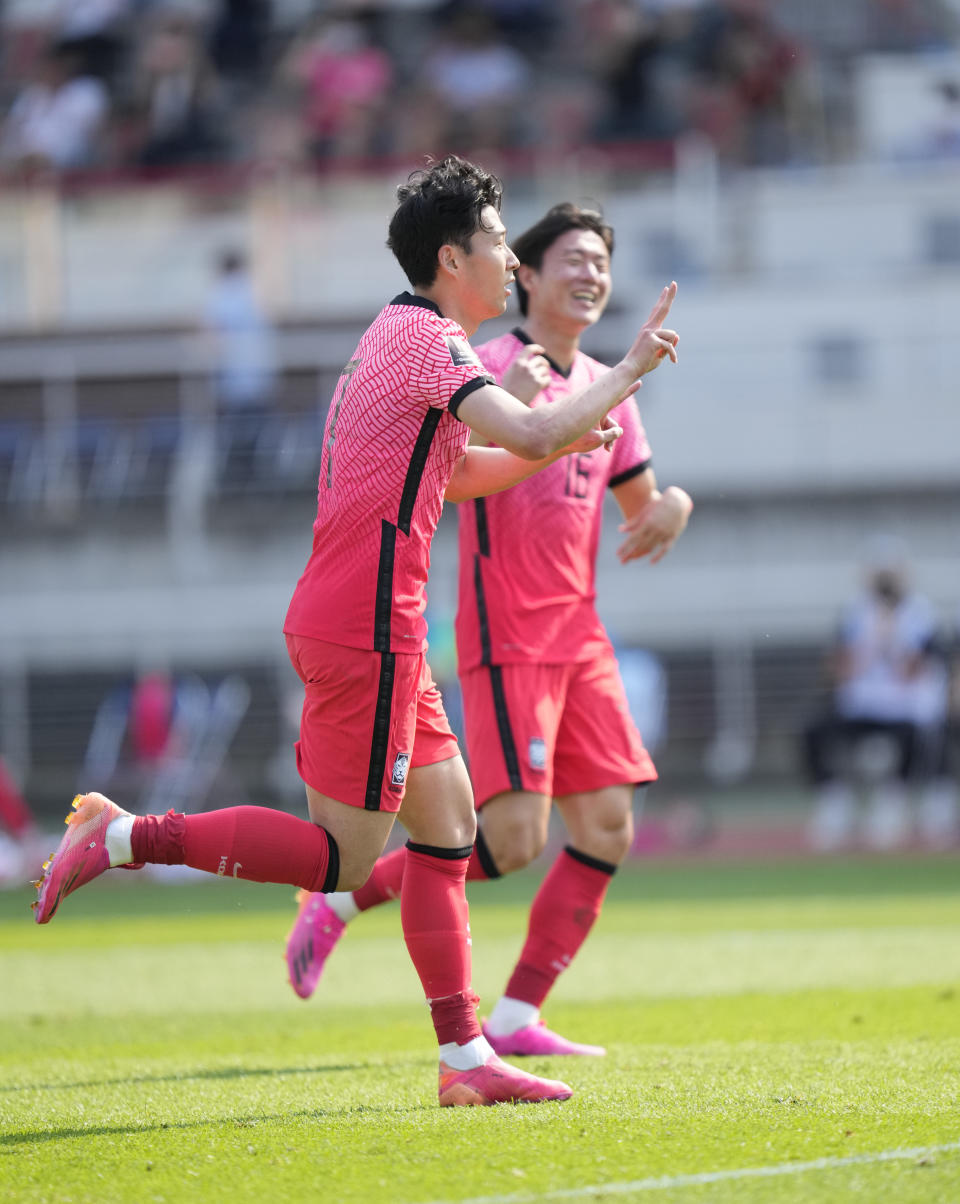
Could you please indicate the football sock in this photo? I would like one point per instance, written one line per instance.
(436, 927)
(464, 1057)
(342, 905)
(510, 1014)
(384, 883)
(563, 912)
(255, 843)
(117, 840)
(482, 866)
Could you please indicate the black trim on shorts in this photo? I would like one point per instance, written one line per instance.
(507, 743)
(381, 732)
(332, 875)
(383, 610)
(453, 405)
(431, 850)
(605, 867)
(485, 857)
(418, 462)
(628, 474)
(483, 619)
(483, 526)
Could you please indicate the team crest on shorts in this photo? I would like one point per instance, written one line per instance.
(400, 767)
(537, 753)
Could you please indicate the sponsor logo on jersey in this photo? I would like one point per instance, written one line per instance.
(400, 767)
(537, 753)
(461, 353)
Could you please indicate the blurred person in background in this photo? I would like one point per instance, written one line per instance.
(244, 362)
(20, 838)
(546, 715)
(56, 121)
(887, 716)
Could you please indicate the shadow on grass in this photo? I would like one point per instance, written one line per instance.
(232, 1072)
(37, 1136)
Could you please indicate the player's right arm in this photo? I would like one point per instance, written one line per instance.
(534, 434)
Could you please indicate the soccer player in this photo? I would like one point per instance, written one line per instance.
(374, 740)
(545, 711)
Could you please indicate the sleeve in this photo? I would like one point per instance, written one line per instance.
(444, 368)
(631, 452)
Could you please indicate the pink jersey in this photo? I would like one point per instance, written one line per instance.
(528, 555)
(390, 445)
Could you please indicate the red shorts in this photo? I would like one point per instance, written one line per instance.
(551, 729)
(367, 718)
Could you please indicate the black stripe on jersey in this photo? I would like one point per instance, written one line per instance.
(628, 474)
(418, 462)
(483, 619)
(383, 612)
(465, 390)
(511, 760)
(381, 732)
(525, 338)
(483, 527)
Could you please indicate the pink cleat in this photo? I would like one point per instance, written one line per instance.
(312, 938)
(496, 1083)
(538, 1040)
(81, 856)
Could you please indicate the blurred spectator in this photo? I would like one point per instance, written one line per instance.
(344, 81)
(55, 121)
(239, 39)
(244, 366)
(21, 846)
(176, 99)
(475, 88)
(888, 707)
(96, 30)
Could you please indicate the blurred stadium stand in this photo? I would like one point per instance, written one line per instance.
(815, 403)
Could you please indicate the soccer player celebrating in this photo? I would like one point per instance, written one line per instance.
(545, 711)
(374, 741)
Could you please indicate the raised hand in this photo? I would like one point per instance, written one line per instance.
(604, 435)
(655, 342)
(528, 374)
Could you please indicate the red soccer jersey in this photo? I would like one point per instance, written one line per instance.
(528, 555)
(390, 444)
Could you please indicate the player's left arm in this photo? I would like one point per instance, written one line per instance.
(653, 520)
(481, 471)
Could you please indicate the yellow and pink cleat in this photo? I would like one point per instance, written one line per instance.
(81, 855)
(496, 1083)
(316, 930)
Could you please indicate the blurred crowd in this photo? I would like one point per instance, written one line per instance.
(129, 84)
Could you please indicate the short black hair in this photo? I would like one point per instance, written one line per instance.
(533, 244)
(439, 204)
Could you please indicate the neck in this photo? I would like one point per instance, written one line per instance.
(449, 306)
(560, 345)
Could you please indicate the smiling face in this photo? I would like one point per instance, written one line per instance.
(486, 269)
(572, 286)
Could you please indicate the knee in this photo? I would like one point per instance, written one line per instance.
(608, 838)
(514, 842)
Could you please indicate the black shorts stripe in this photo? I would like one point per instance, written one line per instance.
(381, 732)
(483, 526)
(483, 619)
(383, 611)
(507, 744)
(418, 462)
(628, 474)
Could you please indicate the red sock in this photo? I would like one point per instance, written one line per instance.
(482, 866)
(563, 912)
(256, 843)
(384, 883)
(436, 927)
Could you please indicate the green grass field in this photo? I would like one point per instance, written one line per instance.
(783, 1032)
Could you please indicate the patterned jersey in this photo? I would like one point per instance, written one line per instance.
(390, 444)
(528, 555)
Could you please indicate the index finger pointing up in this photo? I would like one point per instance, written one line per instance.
(662, 308)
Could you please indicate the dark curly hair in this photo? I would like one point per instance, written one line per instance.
(440, 204)
(533, 244)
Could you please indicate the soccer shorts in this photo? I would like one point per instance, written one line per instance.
(551, 729)
(368, 717)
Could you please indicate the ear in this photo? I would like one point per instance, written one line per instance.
(525, 273)
(448, 257)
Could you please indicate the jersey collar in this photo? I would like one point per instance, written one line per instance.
(407, 298)
(525, 338)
